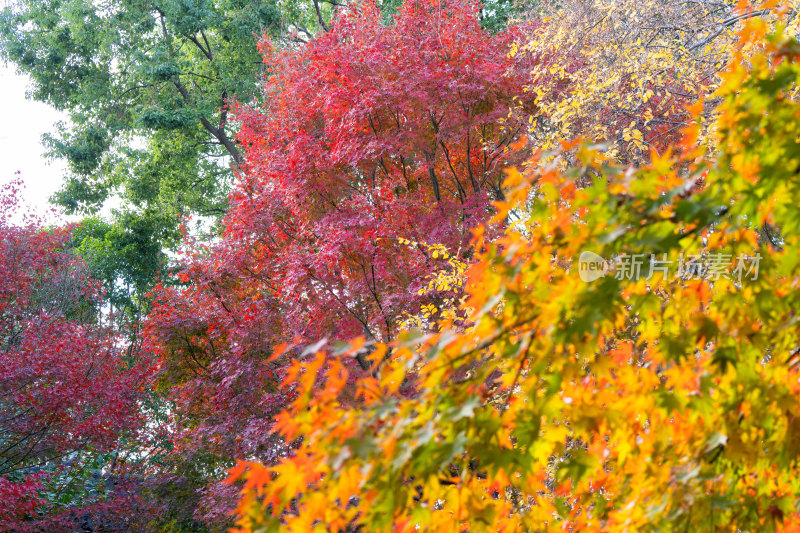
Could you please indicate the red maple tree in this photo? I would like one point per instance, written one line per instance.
(69, 382)
(369, 134)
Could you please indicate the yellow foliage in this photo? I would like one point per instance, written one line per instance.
(623, 60)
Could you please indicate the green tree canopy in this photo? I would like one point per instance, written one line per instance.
(147, 87)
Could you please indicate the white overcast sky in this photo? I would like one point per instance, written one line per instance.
(21, 149)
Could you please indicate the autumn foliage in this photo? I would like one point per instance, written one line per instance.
(393, 329)
(369, 133)
(69, 387)
(657, 402)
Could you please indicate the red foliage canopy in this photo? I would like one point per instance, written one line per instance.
(370, 133)
(65, 384)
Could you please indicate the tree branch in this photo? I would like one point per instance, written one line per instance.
(319, 16)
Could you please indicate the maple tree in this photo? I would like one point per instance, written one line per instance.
(369, 132)
(635, 66)
(69, 386)
(653, 402)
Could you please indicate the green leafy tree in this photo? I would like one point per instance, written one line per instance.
(147, 86)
